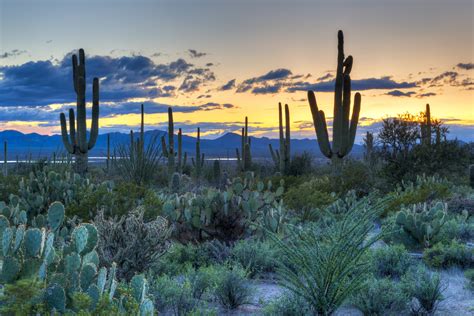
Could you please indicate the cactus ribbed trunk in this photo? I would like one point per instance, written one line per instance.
(76, 142)
(344, 130)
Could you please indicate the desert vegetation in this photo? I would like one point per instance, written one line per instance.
(153, 231)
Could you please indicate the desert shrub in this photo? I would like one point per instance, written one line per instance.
(137, 162)
(24, 297)
(255, 256)
(287, 305)
(173, 296)
(444, 255)
(380, 297)
(457, 227)
(203, 280)
(301, 164)
(132, 243)
(325, 267)
(420, 226)
(459, 204)
(469, 274)
(307, 197)
(233, 289)
(391, 261)
(424, 189)
(214, 251)
(426, 287)
(355, 176)
(8, 185)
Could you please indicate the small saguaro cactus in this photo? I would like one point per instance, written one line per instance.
(181, 157)
(76, 142)
(344, 131)
(369, 147)
(5, 159)
(245, 161)
(168, 151)
(426, 127)
(282, 157)
(198, 162)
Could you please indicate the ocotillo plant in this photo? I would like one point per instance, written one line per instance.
(198, 162)
(181, 158)
(282, 157)
(426, 127)
(168, 151)
(344, 131)
(76, 143)
(142, 128)
(245, 161)
(216, 172)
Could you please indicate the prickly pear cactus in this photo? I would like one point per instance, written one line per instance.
(422, 223)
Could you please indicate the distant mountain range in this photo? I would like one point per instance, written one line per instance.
(37, 145)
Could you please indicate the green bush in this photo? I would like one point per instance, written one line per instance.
(255, 256)
(470, 277)
(287, 305)
(326, 267)
(308, 196)
(391, 261)
(424, 189)
(447, 255)
(426, 287)
(233, 289)
(172, 295)
(24, 297)
(8, 185)
(380, 297)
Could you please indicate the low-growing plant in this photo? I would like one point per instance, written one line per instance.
(421, 224)
(469, 274)
(287, 305)
(255, 256)
(380, 297)
(444, 255)
(132, 243)
(233, 289)
(325, 267)
(426, 287)
(173, 296)
(391, 261)
(22, 298)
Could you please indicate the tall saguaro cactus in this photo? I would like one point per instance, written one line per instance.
(344, 130)
(76, 142)
(244, 161)
(282, 157)
(168, 151)
(198, 162)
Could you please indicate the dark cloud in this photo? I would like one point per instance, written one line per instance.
(398, 93)
(195, 54)
(267, 89)
(204, 96)
(383, 83)
(12, 53)
(277, 74)
(426, 95)
(325, 77)
(465, 66)
(228, 86)
(122, 78)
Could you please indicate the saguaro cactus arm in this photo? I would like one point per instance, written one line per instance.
(95, 114)
(320, 126)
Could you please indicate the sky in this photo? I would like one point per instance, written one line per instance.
(216, 61)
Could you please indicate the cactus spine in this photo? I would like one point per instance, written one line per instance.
(168, 151)
(76, 143)
(344, 131)
(245, 161)
(198, 162)
(282, 157)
